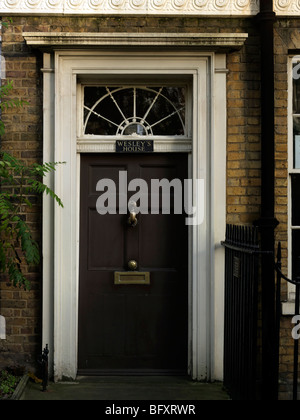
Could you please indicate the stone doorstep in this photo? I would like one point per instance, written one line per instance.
(20, 388)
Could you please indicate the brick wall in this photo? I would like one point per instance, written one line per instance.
(24, 137)
(243, 141)
(22, 309)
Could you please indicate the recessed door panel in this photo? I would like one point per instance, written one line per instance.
(106, 244)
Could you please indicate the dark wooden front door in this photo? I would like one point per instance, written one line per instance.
(132, 328)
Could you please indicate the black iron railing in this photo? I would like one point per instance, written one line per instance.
(43, 362)
(241, 311)
(242, 307)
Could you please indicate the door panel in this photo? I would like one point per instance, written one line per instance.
(109, 234)
(132, 328)
(159, 230)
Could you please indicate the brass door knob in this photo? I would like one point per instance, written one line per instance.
(132, 265)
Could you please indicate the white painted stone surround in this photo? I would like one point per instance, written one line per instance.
(207, 160)
(220, 8)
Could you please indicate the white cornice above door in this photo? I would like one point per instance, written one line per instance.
(213, 41)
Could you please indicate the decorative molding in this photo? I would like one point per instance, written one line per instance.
(132, 7)
(108, 146)
(145, 7)
(287, 7)
(62, 40)
(47, 70)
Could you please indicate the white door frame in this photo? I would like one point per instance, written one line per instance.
(61, 226)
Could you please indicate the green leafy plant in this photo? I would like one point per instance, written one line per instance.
(19, 184)
(6, 103)
(5, 24)
(8, 383)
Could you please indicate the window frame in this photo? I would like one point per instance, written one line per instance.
(158, 94)
(288, 307)
(162, 143)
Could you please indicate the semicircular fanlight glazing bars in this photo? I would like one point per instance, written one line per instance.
(134, 111)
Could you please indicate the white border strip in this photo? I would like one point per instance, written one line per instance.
(132, 7)
(219, 8)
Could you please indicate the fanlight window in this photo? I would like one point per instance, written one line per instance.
(134, 111)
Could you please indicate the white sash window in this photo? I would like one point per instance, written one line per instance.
(294, 182)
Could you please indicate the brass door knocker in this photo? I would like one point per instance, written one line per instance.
(132, 220)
